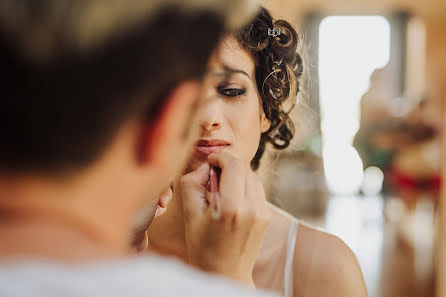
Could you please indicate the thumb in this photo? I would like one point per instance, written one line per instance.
(193, 190)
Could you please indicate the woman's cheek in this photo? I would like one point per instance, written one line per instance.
(248, 133)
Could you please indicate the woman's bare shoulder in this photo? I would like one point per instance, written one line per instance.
(325, 265)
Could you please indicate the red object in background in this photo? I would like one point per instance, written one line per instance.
(407, 182)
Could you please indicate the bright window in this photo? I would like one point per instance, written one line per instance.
(351, 48)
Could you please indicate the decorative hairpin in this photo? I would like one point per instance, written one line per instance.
(274, 32)
(278, 62)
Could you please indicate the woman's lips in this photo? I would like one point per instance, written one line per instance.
(207, 147)
(207, 150)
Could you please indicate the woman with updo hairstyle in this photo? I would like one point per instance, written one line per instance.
(254, 82)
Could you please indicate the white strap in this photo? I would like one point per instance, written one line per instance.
(288, 277)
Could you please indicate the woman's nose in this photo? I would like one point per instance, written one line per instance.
(211, 117)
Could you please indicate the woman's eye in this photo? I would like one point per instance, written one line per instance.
(232, 92)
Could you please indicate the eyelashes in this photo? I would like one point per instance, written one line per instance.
(230, 92)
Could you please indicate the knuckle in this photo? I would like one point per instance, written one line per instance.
(185, 180)
(248, 216)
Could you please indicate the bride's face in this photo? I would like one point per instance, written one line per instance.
(232, 117)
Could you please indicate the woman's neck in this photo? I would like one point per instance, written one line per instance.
(166, 234)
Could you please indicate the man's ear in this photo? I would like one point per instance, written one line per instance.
(163, 136)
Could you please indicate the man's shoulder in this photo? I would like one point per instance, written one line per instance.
(140, 276)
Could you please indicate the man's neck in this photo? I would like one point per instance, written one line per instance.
(50, 240)
(55, 220)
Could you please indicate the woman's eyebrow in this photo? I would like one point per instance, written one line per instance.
(231, 71)
(226, 72)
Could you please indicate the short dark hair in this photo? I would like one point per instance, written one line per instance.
(58, 116)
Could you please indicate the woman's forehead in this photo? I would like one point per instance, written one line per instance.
(231, 54)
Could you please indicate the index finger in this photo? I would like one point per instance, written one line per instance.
(232, 178)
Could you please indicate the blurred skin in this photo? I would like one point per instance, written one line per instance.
(233, 113)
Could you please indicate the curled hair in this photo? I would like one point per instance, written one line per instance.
(278, 69)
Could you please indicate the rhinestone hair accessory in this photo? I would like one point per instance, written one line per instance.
(274, 32)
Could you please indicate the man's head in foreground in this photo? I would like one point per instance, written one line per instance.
(96, 106)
